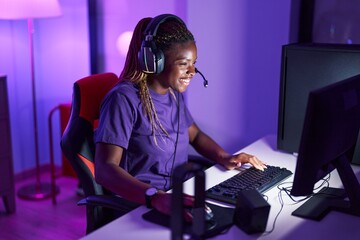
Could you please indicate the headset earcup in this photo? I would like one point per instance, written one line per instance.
(151, 59)
(160, 61)
(144, 51)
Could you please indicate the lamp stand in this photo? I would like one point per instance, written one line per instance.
(38, 190)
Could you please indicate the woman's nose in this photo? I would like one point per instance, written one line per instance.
(191, 70)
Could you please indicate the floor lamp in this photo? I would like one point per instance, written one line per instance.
(30, 9)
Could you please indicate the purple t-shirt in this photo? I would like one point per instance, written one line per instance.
(123, 123)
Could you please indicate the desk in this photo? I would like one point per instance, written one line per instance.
(334, 226)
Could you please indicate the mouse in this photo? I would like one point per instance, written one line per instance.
(209, 215)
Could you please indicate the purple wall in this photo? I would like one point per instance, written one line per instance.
(239, 48)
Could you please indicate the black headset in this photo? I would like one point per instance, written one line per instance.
(150, 57)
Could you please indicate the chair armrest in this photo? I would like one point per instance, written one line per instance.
(108, 201)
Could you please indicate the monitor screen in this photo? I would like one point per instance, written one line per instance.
(329, 136)
(306, 67)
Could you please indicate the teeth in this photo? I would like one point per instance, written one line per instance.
(185, 80)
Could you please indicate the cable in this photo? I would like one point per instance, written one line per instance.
(177, 136)
(287, 190)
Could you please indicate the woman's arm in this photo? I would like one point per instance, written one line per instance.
(207, 147)
(109, 174)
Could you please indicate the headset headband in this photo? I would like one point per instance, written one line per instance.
(154, 24)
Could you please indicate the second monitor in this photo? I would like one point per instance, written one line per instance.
(306, 67)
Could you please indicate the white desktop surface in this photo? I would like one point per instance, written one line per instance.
(335, 225)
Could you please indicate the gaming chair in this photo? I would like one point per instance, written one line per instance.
(78, 146)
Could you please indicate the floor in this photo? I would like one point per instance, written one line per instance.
(41, 219)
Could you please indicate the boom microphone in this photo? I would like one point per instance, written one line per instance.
(206, 83)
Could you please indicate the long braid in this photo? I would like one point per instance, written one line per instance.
(150, 110)
(169, 33)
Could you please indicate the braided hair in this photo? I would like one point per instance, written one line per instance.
(168, 34)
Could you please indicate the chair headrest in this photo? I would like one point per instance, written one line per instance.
(92, 90)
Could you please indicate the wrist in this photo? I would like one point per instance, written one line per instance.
(223, 158)
(150, 193)
(156, 200)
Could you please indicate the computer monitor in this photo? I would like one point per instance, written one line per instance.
(329, 136)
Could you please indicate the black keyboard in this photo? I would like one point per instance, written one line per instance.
(251, 178)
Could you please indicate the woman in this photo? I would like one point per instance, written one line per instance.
(145, 127)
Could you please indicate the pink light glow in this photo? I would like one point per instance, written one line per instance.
(22, 9)
(123, 41)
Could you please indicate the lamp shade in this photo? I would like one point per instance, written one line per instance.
(23, 9)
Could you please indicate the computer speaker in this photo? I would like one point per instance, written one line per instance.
(251, 212)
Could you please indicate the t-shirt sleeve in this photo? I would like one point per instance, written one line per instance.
(116, 121)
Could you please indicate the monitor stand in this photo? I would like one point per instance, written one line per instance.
(345, 200)
(321, 203)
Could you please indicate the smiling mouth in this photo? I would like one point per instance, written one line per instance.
(185, 81)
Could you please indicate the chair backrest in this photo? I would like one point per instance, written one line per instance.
(77, 142)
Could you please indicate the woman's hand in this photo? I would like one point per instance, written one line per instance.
(235, 161)
(162, 203)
